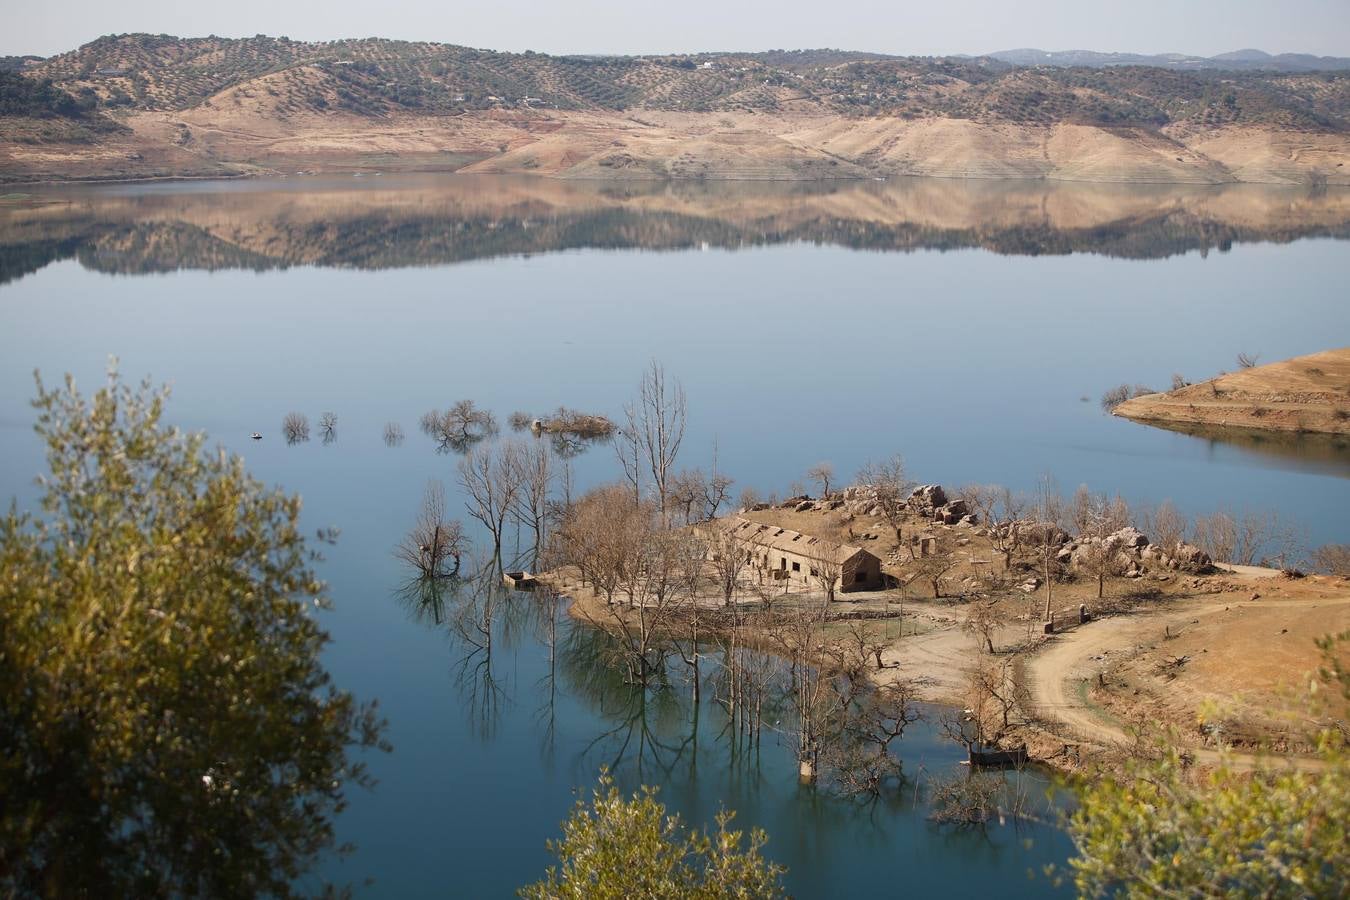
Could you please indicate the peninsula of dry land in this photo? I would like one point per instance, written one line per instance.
(1304, 394)
(1218, 656)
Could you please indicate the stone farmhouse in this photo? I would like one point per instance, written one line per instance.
(797, 558)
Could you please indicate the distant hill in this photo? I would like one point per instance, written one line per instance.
(376, 77)
(1238, 60)
(158, 105)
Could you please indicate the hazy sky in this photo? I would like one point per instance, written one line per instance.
(605, 26)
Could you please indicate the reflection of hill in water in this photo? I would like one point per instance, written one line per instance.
(419, 220)
(1326, 454)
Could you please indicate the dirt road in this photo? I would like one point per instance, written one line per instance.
(1057, 679)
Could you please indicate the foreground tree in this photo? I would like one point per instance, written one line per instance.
(616, 848)
(1163, 830)
(168, 728)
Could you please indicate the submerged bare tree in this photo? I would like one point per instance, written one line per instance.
(530, 506)
(393, 434)
(435, 541)
(295, 428)
(460, 427)
(491, 477)
(328, 427)
(654, 430)
(466, 420)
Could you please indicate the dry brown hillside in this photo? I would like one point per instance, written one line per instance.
(200, 106)
(1304, 394)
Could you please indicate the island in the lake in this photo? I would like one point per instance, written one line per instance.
(147, 106)
(1306, 394)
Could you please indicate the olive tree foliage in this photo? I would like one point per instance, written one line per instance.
(168, 727)
(618, 847)
(1162, 830)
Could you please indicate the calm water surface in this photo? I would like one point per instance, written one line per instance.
(957, 324)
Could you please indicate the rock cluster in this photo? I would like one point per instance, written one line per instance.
(1134, 555)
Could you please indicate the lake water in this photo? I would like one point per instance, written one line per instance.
(960, 324)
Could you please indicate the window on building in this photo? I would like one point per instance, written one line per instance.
(814, 573)
(796, 567)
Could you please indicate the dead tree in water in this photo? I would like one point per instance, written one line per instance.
(491, 478)
(530, 507)
(687, 631)
(460, 427)
(328, 427)
(295, 428)
(656, 427)
(434, 540)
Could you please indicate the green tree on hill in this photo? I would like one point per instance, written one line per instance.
(166, 727)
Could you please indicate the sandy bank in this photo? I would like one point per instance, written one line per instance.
(1304, 394)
